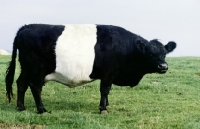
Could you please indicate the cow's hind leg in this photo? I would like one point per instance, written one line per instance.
(36, 91)
(36, 88)
(22, 86)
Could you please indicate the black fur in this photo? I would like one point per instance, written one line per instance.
(36, 45)
(121, 58)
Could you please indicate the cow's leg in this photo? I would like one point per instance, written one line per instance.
(22, 86)
(36, 91)
(36, 83)
(104, 90)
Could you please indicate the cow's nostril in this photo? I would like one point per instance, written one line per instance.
(159, 66)
(162, 66)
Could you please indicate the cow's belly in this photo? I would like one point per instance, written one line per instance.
(70, 81)
(74, 55)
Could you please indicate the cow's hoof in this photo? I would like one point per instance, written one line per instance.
(20, 108)
(42, 110)
(47, 112)
(104, 112)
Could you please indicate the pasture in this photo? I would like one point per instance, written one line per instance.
(166, 101)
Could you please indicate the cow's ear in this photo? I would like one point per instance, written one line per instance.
(170, 46)
(140, 45)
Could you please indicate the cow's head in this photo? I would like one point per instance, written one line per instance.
(154, 53)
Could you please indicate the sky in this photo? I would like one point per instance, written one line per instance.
(166, 20)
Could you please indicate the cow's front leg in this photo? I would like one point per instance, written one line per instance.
(37, 97)
(104, 90)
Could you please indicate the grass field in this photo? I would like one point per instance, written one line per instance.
(167, 101)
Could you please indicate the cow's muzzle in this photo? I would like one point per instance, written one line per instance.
(162, 68)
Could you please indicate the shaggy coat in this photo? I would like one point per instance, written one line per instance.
(77, 54)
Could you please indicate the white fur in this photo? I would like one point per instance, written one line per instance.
(74, 55)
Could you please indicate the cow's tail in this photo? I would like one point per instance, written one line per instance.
(11, 71)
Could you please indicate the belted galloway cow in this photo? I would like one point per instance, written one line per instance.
(77, 54)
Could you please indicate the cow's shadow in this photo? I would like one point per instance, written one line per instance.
(75, 106)
(55, 106)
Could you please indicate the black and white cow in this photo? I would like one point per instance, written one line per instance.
(77, 54)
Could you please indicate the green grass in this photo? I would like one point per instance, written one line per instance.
(167, 101)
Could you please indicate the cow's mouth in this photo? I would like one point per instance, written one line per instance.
(161, 71)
